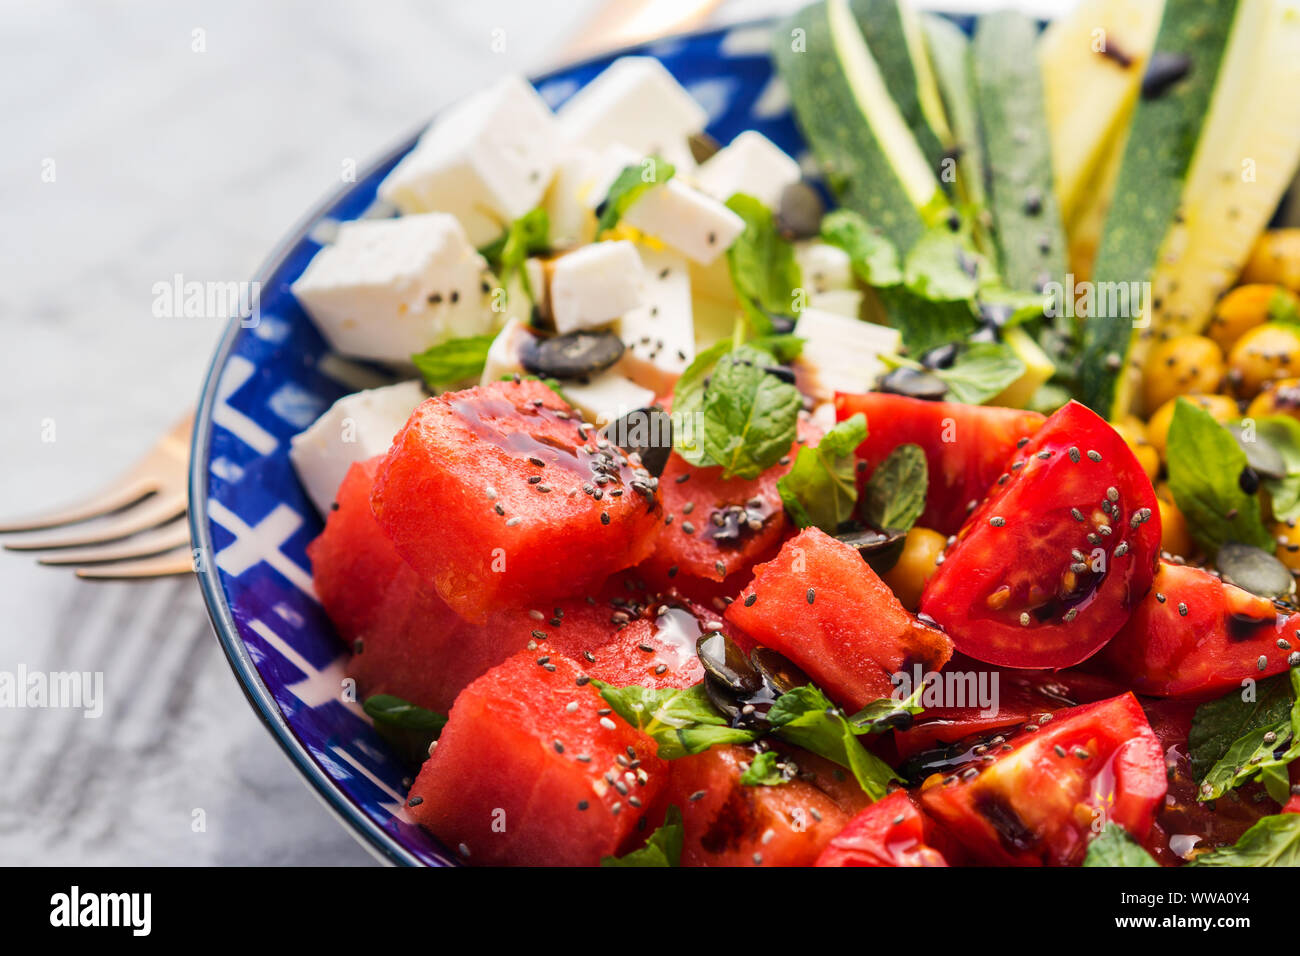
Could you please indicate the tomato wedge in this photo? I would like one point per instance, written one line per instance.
(1195, 635)
(965, 446)
(1037, 798)
(890, 832)
(1047, 569)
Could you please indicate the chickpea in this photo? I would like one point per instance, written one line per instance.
(1134, 434)
(1244, 308)
(1220, 406)
(1288, 544)
(1174, 536)
(1275, 259)
(1277, 398)
(916, 565)
(1183, 365)
(1265, 353)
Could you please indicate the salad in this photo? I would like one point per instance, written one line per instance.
(929, 500)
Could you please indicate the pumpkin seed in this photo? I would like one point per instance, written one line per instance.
(1254, 570)
(574, 355)
(914, 384)
(727, 664)
(648, 432)
(1261, 454)
(777, 670)
(799, 211)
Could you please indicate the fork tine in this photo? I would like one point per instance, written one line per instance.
(161, 539)
(155, 510)
(127, 490)
(177, 561)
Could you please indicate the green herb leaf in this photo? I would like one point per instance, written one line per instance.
(763, 268)
(407, 728)
(749, 416)
(806, 718)
(681, 720)
(941, 268)
(1217, 724)
(981, 371)
(895, 494)
(527, 236)
(872, 256)
(1283, 433)
(821, 489)
(628, 186)
(925, 323)
(453, 361)
(1264, 728)
(1205, 464)
(1273, 841)
(1113, 846)
(662, 848)
(766, 770)
(887, 714)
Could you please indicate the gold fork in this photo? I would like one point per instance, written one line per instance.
(141, 531)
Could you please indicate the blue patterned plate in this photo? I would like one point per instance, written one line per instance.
(251, 521)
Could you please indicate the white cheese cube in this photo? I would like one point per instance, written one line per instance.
(594, 285)
(840, 301)
(842, 354)
(504, 352)
(356, 427)
(635, 102)
(572, 221)
(487, 160)
(696, 225)
(659, 334)
(751, 164)
(824, 267)
(388, 288)
(606, 396)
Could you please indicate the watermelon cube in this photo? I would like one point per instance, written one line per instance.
(405, 640)
(529, 771)
(500, 495)
(822, 606)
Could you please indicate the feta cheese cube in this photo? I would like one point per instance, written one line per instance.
(696, 225)
(594, 285)
(824, 267)
(842, 354)
(840, 301)
(635, 102)
(572, 220)
(606, 397)
(503, 358)
(388, 288)
(487, 160)
(659, 334)
(356, 427)
(751, 164)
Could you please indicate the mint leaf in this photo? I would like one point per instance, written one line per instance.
(455, 360)
(749, 416)
(1273, 841)
(806, 718)
(528, 235)
(887, 714)
(981, 371)
(763, 268)
(1113, 846)
(941, 268)
(767, 770)
(408, 728)
(628, 186)
(1205, 464)
(682, 721)
(821, 489)
(1218, 724)
(662, 848)
(1282, 432)
(1259, 754)
(895, 494)
(925, 323)
(872, 256)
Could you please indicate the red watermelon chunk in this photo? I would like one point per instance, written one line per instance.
(529, 772)
(966, 446)
(716, 529)
(406, 641)
(728, 823)
(500, 496)
(822, 606)
(891, 832)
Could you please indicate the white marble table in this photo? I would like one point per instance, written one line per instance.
(139, 140)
